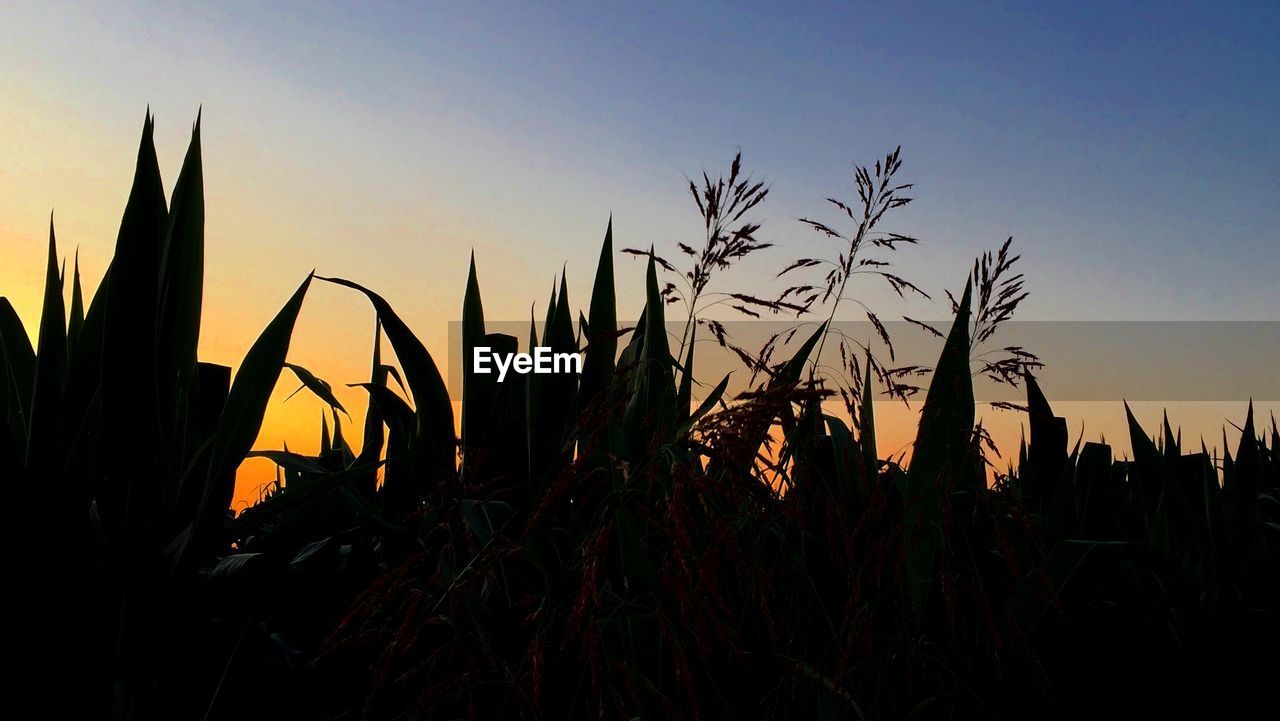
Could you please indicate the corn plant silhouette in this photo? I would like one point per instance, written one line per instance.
(597, 546)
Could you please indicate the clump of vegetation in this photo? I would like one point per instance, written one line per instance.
(623, 555)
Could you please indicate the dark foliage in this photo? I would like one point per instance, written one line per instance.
(619, 554)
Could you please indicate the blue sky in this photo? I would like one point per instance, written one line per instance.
(1129, 148)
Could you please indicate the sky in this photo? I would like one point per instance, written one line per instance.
(1129, 149)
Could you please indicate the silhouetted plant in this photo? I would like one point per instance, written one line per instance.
(724, 205)
(865, 250)
(610, 552)
(999, 294)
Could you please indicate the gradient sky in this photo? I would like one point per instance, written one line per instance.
(1129, 148)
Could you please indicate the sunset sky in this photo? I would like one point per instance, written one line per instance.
(1131, 153)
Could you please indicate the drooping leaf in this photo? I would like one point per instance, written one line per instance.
(430, 394)
(316, 385)
(290, 460)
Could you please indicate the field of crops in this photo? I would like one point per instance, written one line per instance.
(610, 545)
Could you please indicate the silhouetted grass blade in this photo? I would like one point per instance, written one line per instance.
(602, 339)
(182, 269)
(241, 419)
(940, 452)
(46, 425)
(19, 374)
